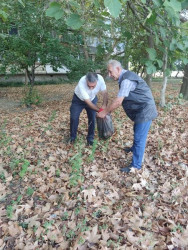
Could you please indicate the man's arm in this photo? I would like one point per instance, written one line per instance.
(91, 105)
(115, 104)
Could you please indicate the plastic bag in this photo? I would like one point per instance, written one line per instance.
(105, 127)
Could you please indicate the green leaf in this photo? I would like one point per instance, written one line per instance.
(151, 19)
(185, 61)
(163, 32)
(185, 44)
(152, 53)
(97, 4)
(172, 47)
(174, 4)
(3, 15)
(74, 21)
(3, 36)
(54, 10)
(184, 4)
(20, 1)
(148, 63)
(180, 46)
(151, 69)
(160, 63)
(158, 3)
(173, 44)
(105, 13)
(143, 1)
(127, 34)
(114, 7)
(74, 4)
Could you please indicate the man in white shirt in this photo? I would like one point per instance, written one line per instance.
(85, 97)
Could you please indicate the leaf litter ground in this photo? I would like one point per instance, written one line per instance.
(59, 196)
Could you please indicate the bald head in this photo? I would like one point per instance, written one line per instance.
(114, 69)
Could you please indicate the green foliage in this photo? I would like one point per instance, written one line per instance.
(74, 21)
(65, 216)
(24, 168)
(30, 191)
(114, 7)
(180, 99)
(9, 211)
(127, 38)
(4, 138)
(152, 53)
(2, 176)
(150, 67)
(57, 172)
(81, 67)
(35, 42)
(19, 166)
(92, 155)
(76, 174)
(31, 97)
(55, 10)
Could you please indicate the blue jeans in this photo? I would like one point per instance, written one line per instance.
(76, 108)
(140, 136)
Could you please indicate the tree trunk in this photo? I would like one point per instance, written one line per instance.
(163, 89)
(184, 86)
(151, 45)
(32, 80)
(177, 74)
(26, 78)
(85, 47)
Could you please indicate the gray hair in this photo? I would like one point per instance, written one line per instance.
(91, 77)
(114, 63)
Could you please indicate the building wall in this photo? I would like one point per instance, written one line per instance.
(50, 78)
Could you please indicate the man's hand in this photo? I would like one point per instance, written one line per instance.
(101, 109)
(102, 113)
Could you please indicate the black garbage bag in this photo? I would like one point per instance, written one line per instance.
(105, 127)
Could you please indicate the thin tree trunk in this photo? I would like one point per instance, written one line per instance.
(85, 47)
(184, 86)
(163, 89)
(151, 45)
(26, 78)
(32, 80)
(177, 74)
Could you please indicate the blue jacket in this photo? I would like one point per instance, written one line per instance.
(139, 105)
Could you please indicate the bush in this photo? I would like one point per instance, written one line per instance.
(31, 96)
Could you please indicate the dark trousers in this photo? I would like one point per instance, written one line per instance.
(76, 108)
(140, 136)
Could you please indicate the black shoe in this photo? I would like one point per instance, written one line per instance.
(126, 169)
(70, 141)
(128, 149)
(89, 143)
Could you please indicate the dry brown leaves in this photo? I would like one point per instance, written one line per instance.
(41, 207)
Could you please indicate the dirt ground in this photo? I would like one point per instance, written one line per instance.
(11, 97)
(55, 195)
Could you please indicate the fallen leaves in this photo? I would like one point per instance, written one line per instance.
(105, 209)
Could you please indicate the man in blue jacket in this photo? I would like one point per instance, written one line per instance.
(138, 103)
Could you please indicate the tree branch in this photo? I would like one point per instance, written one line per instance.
(132, 7)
